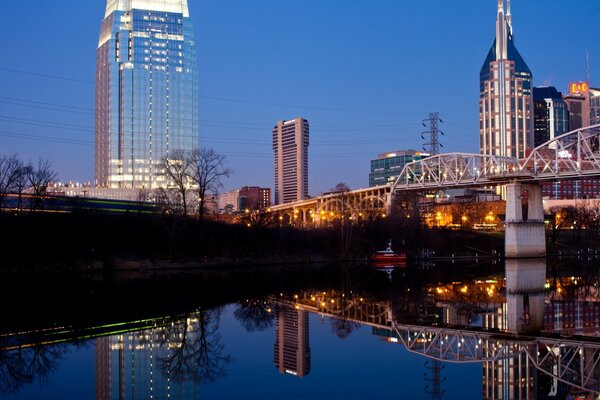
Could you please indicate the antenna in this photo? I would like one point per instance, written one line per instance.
(432, 122)
(587, 66)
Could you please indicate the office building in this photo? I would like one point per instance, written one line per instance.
(146, 91)
(292, 347)
(246, 198)
(254, 198)
(583, 104)
(505, 100)
(578, 103)
(290, 145)
(387, 166)
(551, 116)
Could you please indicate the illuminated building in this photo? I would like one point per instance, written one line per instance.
(146, 91)
(578, 103)
(290, 145)
(246, 198)
(387, 166)
(292, 347)
(505, 99)
(551, 116)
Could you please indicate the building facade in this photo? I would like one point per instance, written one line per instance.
(505, 99)
(146, 91)
(551, 115)
(254, 198)
(387, 166)
(290, 147)
(248, 197)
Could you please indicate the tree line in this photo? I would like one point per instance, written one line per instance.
(189, 177)
(17, 175)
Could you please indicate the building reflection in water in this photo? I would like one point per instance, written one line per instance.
(292, 347)
(138, 366)
(166, 362)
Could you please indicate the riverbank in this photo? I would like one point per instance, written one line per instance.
(106, 244)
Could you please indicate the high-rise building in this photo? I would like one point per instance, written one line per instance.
(505, 99)
(551, 116)
(578, 103)
(292, 347)
(387, 166)
(146, 91)
(290, 145)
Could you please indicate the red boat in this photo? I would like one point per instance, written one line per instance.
(388, 256)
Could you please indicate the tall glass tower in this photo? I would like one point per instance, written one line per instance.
(146, 90)
(505, 98)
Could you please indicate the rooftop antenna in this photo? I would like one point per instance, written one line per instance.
(587, 66)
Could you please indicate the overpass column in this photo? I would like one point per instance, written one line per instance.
(524, 238)
(390, 200)
(525, 293)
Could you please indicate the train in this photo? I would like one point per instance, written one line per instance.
(68, 204)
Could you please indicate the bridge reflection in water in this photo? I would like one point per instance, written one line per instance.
(502, 339)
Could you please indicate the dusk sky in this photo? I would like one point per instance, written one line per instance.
(364, 73)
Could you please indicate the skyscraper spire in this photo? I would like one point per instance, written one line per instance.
(506, 104)
(501, 33)
(508, 18)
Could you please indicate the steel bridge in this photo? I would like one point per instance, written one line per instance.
(575, 362)
(575, 154)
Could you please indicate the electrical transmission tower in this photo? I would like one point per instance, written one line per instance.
(433, 146)
(433, 378)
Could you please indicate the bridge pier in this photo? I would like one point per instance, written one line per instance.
(525, 293)
(524, 238)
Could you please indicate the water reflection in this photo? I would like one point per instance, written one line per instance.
(507, 323)
(170, 361)
(292, 345)
(23, 366)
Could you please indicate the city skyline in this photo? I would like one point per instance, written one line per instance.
(364, 84)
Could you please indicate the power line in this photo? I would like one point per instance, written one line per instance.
(64, 78)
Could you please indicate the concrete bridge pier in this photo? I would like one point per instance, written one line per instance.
(525, 293)
(390, 200)
(524, 238)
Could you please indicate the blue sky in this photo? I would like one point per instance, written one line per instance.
(364, 73)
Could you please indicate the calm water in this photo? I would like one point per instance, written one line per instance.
(490, 336)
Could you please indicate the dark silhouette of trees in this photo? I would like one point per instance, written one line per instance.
(26, 365)
(199, 353)
(208, 171)
(11, 176)
(177, 170)
(39, 178)
(255, 315)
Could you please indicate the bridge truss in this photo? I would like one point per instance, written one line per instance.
(572, 155)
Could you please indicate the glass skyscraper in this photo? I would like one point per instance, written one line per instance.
(146, 91)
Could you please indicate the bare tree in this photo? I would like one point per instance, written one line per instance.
(208, 170)
(177, 169)
(40, 178)
(11, 171)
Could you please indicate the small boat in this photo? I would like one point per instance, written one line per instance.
(388, 256)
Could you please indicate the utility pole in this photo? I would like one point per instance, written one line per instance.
(432, 122)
